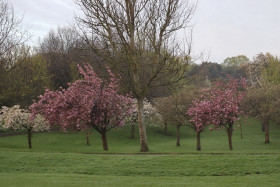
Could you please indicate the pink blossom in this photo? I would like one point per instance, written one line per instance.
(87, 103)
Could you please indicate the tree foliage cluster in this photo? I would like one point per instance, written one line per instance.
(90, 103)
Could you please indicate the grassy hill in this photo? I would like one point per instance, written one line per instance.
(64, 159)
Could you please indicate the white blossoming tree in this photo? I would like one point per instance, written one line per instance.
(149, 113)
(16, 118)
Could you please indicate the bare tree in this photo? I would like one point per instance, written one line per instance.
(12, 34)
(173, 110)
(63, 48)
(137, 38)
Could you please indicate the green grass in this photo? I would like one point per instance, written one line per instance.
(63, 169)
(119, 141)
(59, 159)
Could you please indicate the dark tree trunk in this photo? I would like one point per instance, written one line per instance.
(88, 133)
(266, 131)
(263, 125)
(229, 132)
(241, 132)
(142, 127)
(104, 142)
(178, 136)
(198, 147)
(88, 139)
(132, 131)
(165, 129)
(29, 134)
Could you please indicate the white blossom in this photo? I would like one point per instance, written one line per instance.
(149, 112)
(17, 118)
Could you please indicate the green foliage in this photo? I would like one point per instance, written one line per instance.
(236, 60)
(271, 73)
(75, 74)
(26, 81)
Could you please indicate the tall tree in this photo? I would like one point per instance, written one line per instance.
(64, 49)
(58, 48)
(137, 39)
(12, 34)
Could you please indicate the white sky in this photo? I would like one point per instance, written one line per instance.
(226, 28)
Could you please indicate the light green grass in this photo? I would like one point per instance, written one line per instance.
(119, 141)
(59, 159)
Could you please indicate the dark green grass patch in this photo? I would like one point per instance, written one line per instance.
(140, 165)
(70, 180)
(72, 169)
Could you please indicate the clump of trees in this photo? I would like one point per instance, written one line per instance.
(16, 118)
(138, 41)
(223, 100)
(88, 103)
(218, 105)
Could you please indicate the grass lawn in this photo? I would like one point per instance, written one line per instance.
(59, 159)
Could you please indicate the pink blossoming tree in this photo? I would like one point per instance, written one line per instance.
(200, 116)
(88, 103)
(219, 105)
(225, 98)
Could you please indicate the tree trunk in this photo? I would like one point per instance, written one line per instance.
(263, 125)
(142, 127)
(241, 132)
(104, 142)
(198, 147)
(88, 140)
(178, 136)
(266, 131)
(88, 133)
(165, 129)
(29, 134)
(229, 132)
(133, 131)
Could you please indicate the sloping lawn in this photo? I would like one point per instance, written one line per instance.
(64, 159)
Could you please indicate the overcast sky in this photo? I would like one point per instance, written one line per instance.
(225, 28)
